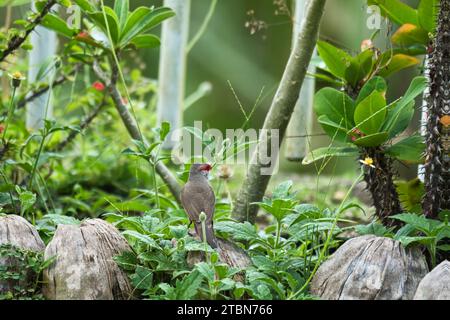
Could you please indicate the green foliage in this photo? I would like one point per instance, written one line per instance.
(22, 270)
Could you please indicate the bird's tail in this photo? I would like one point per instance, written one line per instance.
(210, 236)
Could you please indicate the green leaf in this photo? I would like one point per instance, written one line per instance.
(374, 84)
(141, 20)
(409, 34)
(52, 22)
(334, 130)
(337, 60)
(360, 66)
(239, 231)
(164, 130)
(187, 288)
(407, 241)
(419, 222)
(373, 140)
(86, 5)
(370, 113)
(397, 63)
(326, 152)
(336, 105)
(122, 8)
(410, 149)
(374, 228)
(399, 116)
(146, 41)
(142, 278)
(397, 11)
(410, 194)
(113, 23)
(142, 238)
(428, 13)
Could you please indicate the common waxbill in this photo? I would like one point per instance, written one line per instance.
(197, 196)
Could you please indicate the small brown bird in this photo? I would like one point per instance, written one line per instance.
(197, 196)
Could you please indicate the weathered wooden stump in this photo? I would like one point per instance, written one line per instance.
(370, 268)
(436, 284)
(84, 268)
(18, 232)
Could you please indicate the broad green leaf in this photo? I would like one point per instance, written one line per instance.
(336, 105)
(401, 112)
(52, 22)
(239, 231)
(373, 140)
(410, 149)
(337, 60)
(142, 278)
(374, 228)
(146, 41)
(396, 63)
(374, 84)
(326, 152)
(370, 113)
(187, 288)
(397, 11)
(141, 20)
(113, 23)
(409, 34)
(428, 12)
(122, 8)
(359, 67)
(407, 241)
(419, 222)
(334, 130)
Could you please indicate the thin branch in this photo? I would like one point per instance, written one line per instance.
(36, 94)
(132, 128)
(83, 125)
(16, 41)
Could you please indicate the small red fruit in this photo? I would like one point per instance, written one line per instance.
(97, 85)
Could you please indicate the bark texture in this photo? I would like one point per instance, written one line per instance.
(437, 153)
(370, 268)
(436, 284)
(18, 232)
(84, 268)
(280, 112)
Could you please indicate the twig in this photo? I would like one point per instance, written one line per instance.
(36, 94)
(16, 41)
(83, 125)
(133, 129)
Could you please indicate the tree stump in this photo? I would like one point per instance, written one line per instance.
(436, 284)
(84, 268)
(18, 232)
(370, 268)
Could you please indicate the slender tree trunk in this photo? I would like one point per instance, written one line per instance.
(172, 67)
(300, 126)
(280, 111)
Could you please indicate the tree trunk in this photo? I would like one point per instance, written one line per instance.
(280, 112)
(300, 126)
(172, 68)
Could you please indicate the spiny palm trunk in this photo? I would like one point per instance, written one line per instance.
(437, 162)
(380, 180)
(380, 183)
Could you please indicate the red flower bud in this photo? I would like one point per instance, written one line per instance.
(97, 85)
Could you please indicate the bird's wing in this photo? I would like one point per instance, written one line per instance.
(199, 198)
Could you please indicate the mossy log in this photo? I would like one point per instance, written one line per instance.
(436, 284)
(18, 232)
(84, 268)
(370, 268)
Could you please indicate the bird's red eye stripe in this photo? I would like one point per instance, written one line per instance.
(205, 167)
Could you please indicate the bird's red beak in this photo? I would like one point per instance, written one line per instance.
(205, 167)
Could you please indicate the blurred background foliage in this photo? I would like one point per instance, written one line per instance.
(228, 52)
